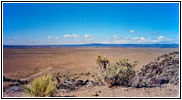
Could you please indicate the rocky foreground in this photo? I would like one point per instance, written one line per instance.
(163, 70)
(159, 78)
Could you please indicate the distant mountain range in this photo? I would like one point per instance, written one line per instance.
(97, 45)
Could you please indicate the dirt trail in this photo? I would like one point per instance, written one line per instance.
(39, 73)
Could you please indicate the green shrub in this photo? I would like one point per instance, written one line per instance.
(41, 87)
(118, 73)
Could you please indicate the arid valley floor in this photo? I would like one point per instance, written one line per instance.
(26, 64)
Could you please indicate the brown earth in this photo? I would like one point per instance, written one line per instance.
(167, 90)
(26, 64)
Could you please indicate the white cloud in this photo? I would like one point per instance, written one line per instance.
(160, 37)
(57, 37)
(73, 35)
(155, 40)
(49, 37)
(86, 35)
(142, 38)
(114, 36)
(135, 38)
(138, 40)
(65, 36)
(132, 31)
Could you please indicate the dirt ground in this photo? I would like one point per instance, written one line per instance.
(167, 90)
(26, 64)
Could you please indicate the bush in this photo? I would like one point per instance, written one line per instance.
(102, 64)
(41, 87)
(118, 73)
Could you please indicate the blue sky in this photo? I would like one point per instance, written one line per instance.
(80, 23)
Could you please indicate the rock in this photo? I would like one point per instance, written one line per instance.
(169, 90)
(124, 89)
(94, 94)
(79, 83)
(87, 74)
(15, 89)
(163, 70)
(85, 83)
(65, 83)
(5, 79)
(71, 85)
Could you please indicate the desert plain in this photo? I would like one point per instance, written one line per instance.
(26, 64)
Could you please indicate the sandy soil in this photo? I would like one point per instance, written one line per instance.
(167, 90)
(27, 64)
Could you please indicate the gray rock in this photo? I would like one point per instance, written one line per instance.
(163, 70)
(71, 85)
(15, 89)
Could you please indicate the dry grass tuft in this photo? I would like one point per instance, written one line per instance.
(41, 87)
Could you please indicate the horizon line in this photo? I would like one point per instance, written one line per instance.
(90, 44)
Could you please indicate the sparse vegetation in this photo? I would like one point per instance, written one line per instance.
(118, 73)
(41, 87)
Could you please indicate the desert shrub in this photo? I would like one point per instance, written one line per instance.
(41, 87)
(102, 64)
(118, 73)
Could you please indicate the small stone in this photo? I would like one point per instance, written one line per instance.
(15, 89)
(169, 90)
(94, 94)
(124, 89)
